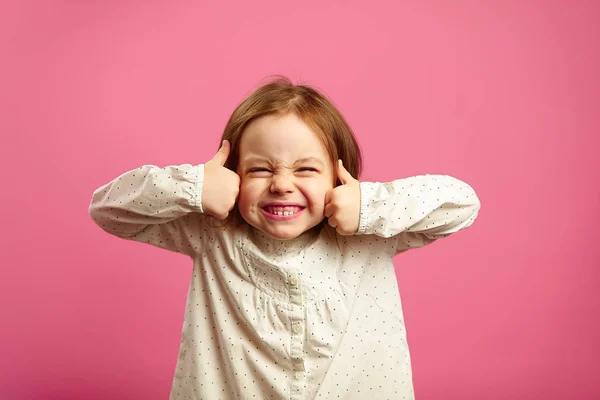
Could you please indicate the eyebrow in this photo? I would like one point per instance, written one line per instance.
(255, 159)
(309, 160)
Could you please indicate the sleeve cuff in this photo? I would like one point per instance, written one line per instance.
(367, 192)
(197, 200)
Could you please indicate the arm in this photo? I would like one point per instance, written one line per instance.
(159, 206)
(418, 210)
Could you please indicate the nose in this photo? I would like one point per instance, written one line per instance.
(282, 183)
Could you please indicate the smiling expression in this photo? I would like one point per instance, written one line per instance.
(285, 173)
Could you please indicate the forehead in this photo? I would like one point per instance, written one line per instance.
(280, 138)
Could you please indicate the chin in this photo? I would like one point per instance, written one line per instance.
(280, 231)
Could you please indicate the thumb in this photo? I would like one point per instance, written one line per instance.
(221, 156)
(343, 175)
(328, 196)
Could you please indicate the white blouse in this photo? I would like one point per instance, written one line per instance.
(316, 317)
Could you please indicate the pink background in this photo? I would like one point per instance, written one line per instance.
(501, 94)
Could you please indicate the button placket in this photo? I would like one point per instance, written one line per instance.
(297, 320)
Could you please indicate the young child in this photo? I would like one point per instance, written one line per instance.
(293, 294)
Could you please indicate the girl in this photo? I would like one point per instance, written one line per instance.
(293, 294)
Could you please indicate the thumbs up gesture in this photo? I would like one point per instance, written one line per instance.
(221, 185)
(342, 203)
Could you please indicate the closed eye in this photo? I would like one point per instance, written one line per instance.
(309, 169)
(258, 170)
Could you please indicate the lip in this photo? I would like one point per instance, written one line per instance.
(281, 204)
(274, 217)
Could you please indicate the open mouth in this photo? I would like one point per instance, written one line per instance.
(282, 212)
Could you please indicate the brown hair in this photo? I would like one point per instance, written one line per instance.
(279, 96)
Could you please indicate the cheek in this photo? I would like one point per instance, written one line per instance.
(250, 191)
(315, 191)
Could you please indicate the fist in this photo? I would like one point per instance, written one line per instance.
(221, 185)
(342, 203)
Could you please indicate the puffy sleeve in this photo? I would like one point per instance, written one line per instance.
(418, 210)
(158, 206)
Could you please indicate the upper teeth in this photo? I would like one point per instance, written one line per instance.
(279, 211)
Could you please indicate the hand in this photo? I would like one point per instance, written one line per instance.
(342, 203)
(221, 185)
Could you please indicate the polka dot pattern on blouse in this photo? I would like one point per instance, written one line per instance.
(316, 317)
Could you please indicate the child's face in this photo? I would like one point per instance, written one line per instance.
(285, 173)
